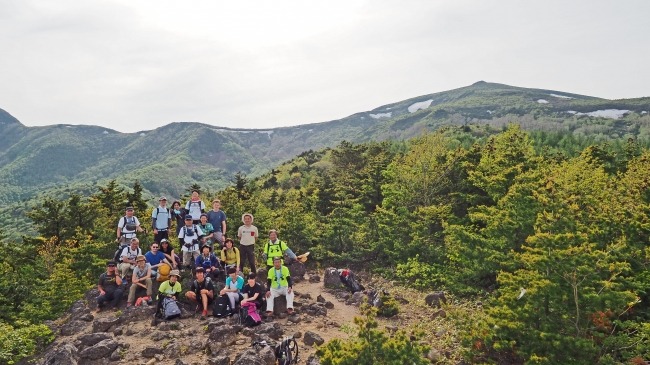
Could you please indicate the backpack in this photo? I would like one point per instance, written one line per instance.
(194, 233)
(170, 309)
(287, 351)
(350, 280)
(118, 254)
(189, 207)
(248, 315)
(129, 226)
(221, 307)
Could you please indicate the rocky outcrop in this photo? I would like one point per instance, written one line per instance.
(331, 279)
(100, 350)
(311, 338)
(254, 356)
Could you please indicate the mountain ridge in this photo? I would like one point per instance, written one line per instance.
(170, 158)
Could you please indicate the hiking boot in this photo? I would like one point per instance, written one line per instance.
(129, 305)
(204, 314)
(290, 311)
(154, 321)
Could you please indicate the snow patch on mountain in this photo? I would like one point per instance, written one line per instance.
(561, 96)
(604, 113)
(419, 105)
(542, 101)
(381, 115)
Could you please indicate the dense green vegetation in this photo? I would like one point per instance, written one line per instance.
(549, 230)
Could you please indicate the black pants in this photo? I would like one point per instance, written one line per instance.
(248, 253)
(114, 297)
(160, 235)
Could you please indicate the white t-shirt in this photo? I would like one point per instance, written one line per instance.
(130, 254)
(247, 235)
(195, 209)
(188, 239)
(122, 225)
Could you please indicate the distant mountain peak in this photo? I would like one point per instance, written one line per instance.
(7, 119)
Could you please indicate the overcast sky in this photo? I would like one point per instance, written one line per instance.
(137, 65)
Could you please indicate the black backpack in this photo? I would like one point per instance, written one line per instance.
(118, 254)
(129, 226)
(221, 307)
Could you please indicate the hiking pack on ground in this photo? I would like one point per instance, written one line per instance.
(170, 309)
(248, 315)
(221, 307)
(350, 280)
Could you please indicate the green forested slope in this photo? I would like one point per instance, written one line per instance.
(550, 233)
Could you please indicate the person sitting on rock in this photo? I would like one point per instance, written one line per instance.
(189, 237)
(208, 261)
(253, 292)
(234, 284)
(275, 247)
(128, 256)
(230, 255)
(279, 283)
(109, 286)
(169, 289)
(156, 259)
(168, 250)
(141, 278)
(201, 292)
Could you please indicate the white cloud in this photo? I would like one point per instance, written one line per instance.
(134, 66)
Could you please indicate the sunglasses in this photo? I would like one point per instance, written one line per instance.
(154, 246)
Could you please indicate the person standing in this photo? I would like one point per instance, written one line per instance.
(161, 220)
(109, 286)
(189, 238)
(127, 226)
(195, 207)
(247, 235)
(178, 215)
(218, 220)
(275, 247)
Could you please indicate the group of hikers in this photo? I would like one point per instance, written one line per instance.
(200, 236)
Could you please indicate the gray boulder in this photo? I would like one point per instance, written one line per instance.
(297, 270)
(72, 328)
(311, 338)
(151, 351)
(105, 324)
(65, 354)
(273, 330)
(435, 299)
(279, 305)
(103, 349)
(92, 339)
(254, 356)
(332, 280)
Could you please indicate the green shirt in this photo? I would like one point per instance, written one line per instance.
(166, 289)
(283, 275)
(274, 250)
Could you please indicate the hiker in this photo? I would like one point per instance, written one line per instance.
(230, 255)
(155, 258)
(217, 218)
(178, 215)
(109, 286)
(169, 289)
(161, 220)
(234, 284)
(201, 292)
(247, 235)
(276, 248)
(208, 261)
(279, 283)
(253, 292)
(195, 206)
(208, 230)
(128, 256)
(189, 237)
(168, 250)
(141, 278)
(127, 226)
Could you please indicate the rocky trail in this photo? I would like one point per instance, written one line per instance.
(127, 336)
